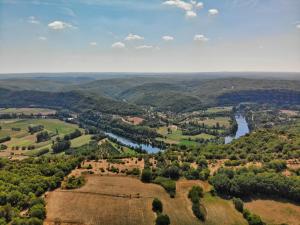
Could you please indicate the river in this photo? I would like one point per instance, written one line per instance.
(128, 142)
(242, 130)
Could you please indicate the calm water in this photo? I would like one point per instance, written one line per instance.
(243, 129)
(128, 142)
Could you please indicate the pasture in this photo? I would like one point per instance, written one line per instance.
(21, 139)
(174, 136)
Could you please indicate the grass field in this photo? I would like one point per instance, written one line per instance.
(223, 121)
(28, 111)
(176, 137)
(275, 212)
(220, 211)
(82, 140)
(219, 109)
(23, 138)
(121, 200)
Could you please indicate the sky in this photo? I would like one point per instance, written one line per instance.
(149, 35)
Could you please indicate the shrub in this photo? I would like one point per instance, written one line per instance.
(157, 205)
(168, 184)
(146, 176)
(238, 204)
(195, 194)
(38, 211)
(162, 220)
(198, 211)
(74, 182)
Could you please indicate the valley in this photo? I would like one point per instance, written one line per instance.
(101, 151)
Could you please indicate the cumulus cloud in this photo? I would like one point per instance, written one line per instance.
(188, 7)
(200, 37)
(133, 37)
(179, 4)
(93, 43)
(199, 5)
(190, 14)
(60, 25)
(213, 12)
(33, 20)
(42, 38)
(118, 45)
(167, 38)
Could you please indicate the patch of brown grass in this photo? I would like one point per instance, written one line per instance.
(275, 212)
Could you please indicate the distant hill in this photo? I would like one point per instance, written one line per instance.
(73, 100)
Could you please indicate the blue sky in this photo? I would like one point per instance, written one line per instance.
(149, 35)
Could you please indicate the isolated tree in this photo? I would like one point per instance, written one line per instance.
(162, 220)
(157, 205)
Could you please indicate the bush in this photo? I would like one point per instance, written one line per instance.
(238, 204)
(38, 211)
(157, 205)
(162, 220)
(195, 194)
(198, 211)
(5, 139)
(74, 182)
(252, 219)
(146, 176)
(168, 184)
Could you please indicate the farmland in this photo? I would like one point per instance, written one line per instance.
(22, 139)
(119, 200)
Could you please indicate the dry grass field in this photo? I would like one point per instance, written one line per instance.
(121, 200)
(275, 212)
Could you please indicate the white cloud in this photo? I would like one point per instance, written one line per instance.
(179, 4)
(60, 25)
(118, 45)
(193, 2)
(133, 37)
(33, 20)
(213, 12)
(167, 38)
(144, 47)
(298, 26)
(199, 5)
(93, 43)
(200, 37)
(190, 14)
(42, 38)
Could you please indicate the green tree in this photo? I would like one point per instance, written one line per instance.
(162, 220)
(146, 176)
(157, 205)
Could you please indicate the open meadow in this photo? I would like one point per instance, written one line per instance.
(21, 139)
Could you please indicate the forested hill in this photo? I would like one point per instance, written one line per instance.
(166, 92)
(73, 100)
